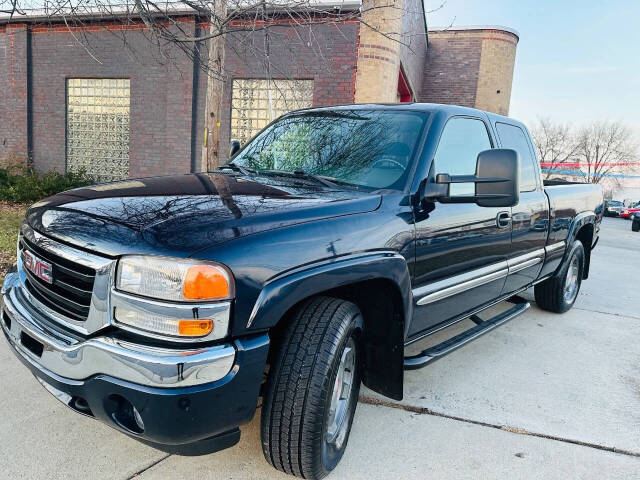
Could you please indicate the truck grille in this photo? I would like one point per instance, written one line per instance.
(70, 291)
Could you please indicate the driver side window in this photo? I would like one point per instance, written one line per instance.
(461, 141)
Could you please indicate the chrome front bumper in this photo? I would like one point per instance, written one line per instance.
(58, 354)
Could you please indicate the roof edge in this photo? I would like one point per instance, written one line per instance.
(459, 28)
(169, 9)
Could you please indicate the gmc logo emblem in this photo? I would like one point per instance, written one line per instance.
(41, 269)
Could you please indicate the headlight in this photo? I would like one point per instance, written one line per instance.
(177, 299)
(178, 280)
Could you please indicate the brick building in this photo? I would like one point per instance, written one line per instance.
(102, 97)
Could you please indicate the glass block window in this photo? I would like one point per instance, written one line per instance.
(98, 127)
(256, 102)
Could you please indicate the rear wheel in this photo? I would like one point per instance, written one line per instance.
(558, 293)
(312, 389)
(635, 226)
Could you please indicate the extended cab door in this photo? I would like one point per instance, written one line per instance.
(530, 217)
(461, 249)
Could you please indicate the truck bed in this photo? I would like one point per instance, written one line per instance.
(568, 201)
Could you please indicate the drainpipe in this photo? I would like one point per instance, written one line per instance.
(29, 98)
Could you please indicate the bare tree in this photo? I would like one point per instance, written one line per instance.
(554, 142)
(225, 18)
(605, 149)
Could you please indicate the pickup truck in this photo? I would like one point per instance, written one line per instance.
(166, 307)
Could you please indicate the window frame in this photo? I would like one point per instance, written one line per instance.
(278, 79)
(469, 117)
(67, 79)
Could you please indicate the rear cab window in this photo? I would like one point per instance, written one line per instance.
(512, 136)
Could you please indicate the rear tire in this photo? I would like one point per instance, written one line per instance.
(312, 389)
(635, 226)
(558, 293)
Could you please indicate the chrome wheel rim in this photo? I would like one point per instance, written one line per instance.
(572, 280)
(338, 414)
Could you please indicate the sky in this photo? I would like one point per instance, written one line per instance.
(577, 61)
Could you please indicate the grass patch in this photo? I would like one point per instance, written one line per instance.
(11, 216)
(20, 184)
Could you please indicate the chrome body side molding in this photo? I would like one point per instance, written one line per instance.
(459, 283)
(525, 261)
(448, 287)
(554, 246)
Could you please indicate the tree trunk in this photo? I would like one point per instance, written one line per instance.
(215, 86)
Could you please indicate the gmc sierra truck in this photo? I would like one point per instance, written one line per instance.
(166, 307)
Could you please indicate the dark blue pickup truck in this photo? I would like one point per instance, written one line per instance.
(166, 307)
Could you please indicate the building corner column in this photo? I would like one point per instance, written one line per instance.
(378, 62)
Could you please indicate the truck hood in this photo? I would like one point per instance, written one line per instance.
(179, 215)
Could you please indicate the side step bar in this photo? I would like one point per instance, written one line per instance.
(482, 326)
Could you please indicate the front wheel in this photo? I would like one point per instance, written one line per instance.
(558, 293)
(312, 389)
(635, 226)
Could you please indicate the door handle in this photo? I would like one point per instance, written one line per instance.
(503, 219)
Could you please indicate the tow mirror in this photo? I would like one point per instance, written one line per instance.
(234, 146)
(497, 181)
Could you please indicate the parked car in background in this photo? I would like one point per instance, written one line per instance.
(613, 208)
(627, 212)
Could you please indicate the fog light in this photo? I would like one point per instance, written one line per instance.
(124, 413)
(138, 419)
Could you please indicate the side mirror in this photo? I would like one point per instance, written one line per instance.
(234, 146)
(497, 181)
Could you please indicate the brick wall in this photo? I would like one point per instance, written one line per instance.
(379, 51)
(325, 53)
(452, 67)
(472, 67)
(496, 71)
(161, 86)
(13, 92)
(347, 62)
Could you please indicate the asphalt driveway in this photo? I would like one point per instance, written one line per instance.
(545, 396)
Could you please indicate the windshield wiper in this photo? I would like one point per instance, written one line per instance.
(326, 181)
(237, 168)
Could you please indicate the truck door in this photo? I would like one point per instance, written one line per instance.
(461, 248)
(530, 218)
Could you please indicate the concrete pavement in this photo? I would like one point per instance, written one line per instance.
(545, 396)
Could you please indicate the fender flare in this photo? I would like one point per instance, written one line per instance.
(285, 290)
(383, 340)
(585, 218)
(579, 221)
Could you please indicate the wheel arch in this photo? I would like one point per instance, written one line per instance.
(583, 228)
(378, 283)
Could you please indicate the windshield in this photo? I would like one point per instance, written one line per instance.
(615, 203)
(363, 148)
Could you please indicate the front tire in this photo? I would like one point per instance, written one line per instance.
(558, 293)
(635, 226)
(312, 389)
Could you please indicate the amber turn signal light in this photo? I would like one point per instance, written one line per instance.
(206, 282)
(195, 328)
